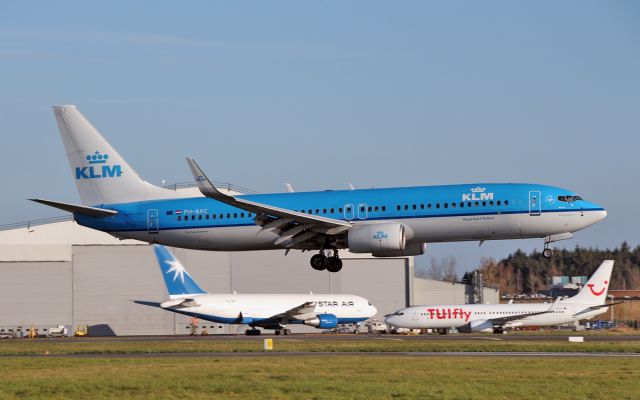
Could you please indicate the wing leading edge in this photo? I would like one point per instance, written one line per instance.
(293, 227)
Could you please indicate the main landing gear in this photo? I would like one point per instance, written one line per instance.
(321, 262)
(284, 331)
(547, 252)
(252, 332)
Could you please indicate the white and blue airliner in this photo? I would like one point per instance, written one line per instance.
(388, 222)
(267, 311)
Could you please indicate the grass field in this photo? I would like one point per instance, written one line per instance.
(399, 344)
(320, 377)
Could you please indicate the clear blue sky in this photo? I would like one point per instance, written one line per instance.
(324, 93)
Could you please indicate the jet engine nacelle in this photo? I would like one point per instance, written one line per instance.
(323, 321)
(410, 249)
(481, 326)
(377, 238)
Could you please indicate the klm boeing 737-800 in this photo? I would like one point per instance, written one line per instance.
(383, 222)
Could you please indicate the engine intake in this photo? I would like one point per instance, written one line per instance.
(323, 321)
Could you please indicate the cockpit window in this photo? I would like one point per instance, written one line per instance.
(398, 313)
(569, 199)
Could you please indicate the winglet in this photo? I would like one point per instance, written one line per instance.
(204, 184)
(555, 304)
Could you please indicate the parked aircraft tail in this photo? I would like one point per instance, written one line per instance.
(102, 176)
(178, 281)
(595, 291)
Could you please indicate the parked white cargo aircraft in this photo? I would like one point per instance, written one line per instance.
(589, 302)
(268, 311)
(388, 222)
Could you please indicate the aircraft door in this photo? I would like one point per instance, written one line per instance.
(414, 315)
(535, 203)
(362, 211)
(349, 212)
(152, 220)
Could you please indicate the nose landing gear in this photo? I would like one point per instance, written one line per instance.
(547, 252)
(320, 262)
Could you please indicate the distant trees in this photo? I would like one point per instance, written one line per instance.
(444, 270)
(528, 273)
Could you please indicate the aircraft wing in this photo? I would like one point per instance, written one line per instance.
(180, 303)
(593, 308)
(509, 318)
(293, 227)
(297, 312)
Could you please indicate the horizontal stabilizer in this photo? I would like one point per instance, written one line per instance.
(77, 209)
(147, 303)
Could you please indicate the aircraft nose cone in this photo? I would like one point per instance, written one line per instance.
(602, 215)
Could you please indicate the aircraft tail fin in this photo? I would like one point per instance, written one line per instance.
(178, 281)
(102, 176)
(595, 290)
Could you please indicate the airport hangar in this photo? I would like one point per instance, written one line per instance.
(56, 272)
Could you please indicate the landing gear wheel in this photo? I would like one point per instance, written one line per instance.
(319, 262)
(252, 332)
(547, 253)
(498, 330)
(334, 264)
(287, 331)
(277, 332)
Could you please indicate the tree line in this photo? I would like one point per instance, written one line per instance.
(527, 273)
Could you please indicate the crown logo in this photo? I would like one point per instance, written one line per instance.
(478, 189)
(97, 158)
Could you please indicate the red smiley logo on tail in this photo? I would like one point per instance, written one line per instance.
(591, 285)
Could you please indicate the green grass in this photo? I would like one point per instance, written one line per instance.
(393, 344)
(320, 377)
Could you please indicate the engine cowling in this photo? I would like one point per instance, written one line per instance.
(481, 326)
(323, 321)
(377, 238)
(410, 249)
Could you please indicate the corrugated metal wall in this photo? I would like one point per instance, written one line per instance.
(35, 293)
(98, 286)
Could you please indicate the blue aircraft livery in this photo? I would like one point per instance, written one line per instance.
(389, 222)
(98, 171)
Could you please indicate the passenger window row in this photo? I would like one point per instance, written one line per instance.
(362, 208)
(462, 204)
(200, 217)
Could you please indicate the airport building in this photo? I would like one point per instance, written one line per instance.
(57, 272)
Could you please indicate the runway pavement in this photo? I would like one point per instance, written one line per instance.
(345, 337)
(269, 354)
